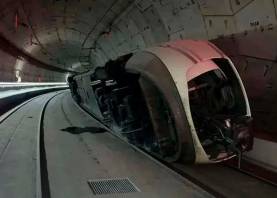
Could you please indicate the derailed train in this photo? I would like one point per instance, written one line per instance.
(181, 101)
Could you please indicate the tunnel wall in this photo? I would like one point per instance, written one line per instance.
(28, 73)
(148, 23)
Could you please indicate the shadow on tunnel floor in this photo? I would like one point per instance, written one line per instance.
(80, 130)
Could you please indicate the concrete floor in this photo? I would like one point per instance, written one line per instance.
(18, 150)
(77, 150)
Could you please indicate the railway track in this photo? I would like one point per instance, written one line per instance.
(43, 185)
(251, 174)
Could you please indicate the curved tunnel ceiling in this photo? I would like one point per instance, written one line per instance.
(80, 34)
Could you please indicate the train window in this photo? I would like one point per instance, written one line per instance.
(233, 81)
(210, 93)
(216, 114)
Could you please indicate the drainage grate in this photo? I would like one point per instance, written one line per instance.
(111, 186)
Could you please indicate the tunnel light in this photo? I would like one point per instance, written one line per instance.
(29, 84)
(19, 65)
(66, 77)
(17, 75)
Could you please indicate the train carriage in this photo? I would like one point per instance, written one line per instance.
(181, 101)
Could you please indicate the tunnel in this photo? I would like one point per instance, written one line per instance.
(143, 98)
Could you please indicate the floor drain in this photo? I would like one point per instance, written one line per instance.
(111, 186)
